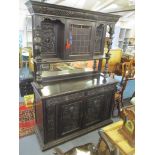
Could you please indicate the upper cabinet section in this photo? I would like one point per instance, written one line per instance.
(67, 33)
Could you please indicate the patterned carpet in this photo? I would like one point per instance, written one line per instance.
(26, 120)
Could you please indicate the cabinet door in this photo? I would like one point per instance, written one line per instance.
(94, 109)
(69, 117)
(48, 36)
(109, 101)
(79, 39)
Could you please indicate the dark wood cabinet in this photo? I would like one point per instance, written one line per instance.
(69, 104)
(70, 110)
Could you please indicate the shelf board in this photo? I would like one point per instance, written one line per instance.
(58, 60)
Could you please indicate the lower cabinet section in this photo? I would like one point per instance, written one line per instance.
(75, 116)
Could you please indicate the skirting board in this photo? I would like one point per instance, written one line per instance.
(70, 136)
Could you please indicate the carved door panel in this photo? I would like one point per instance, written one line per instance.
(109, 101)
(48, 37)
(69, 117)
(79, 39)
(94, 110)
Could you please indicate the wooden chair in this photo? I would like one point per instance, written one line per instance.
(128, 69)
(112, 135)
(123, 94)
(104, 146)
(118, 69)
(121, 68)
(127, 75)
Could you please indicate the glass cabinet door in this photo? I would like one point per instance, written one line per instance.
(79, 39)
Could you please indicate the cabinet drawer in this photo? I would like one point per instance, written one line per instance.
(64, 98)
(100, 90)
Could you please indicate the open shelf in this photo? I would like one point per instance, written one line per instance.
(58, 60)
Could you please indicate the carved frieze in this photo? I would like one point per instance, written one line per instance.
(51, 9)
(64, 98)
(100, 90)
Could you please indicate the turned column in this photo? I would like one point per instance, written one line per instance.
(107, 55)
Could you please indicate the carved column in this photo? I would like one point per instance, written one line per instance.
(37, 48)
(107, 55)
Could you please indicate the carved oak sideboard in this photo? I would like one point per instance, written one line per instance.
(69, 104)
(70, 108)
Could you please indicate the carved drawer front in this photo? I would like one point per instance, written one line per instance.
(100, 90)
(50, 122)
(64, 98)
(95, 91)
(73, 96)
(94, 110)
(69, 117)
